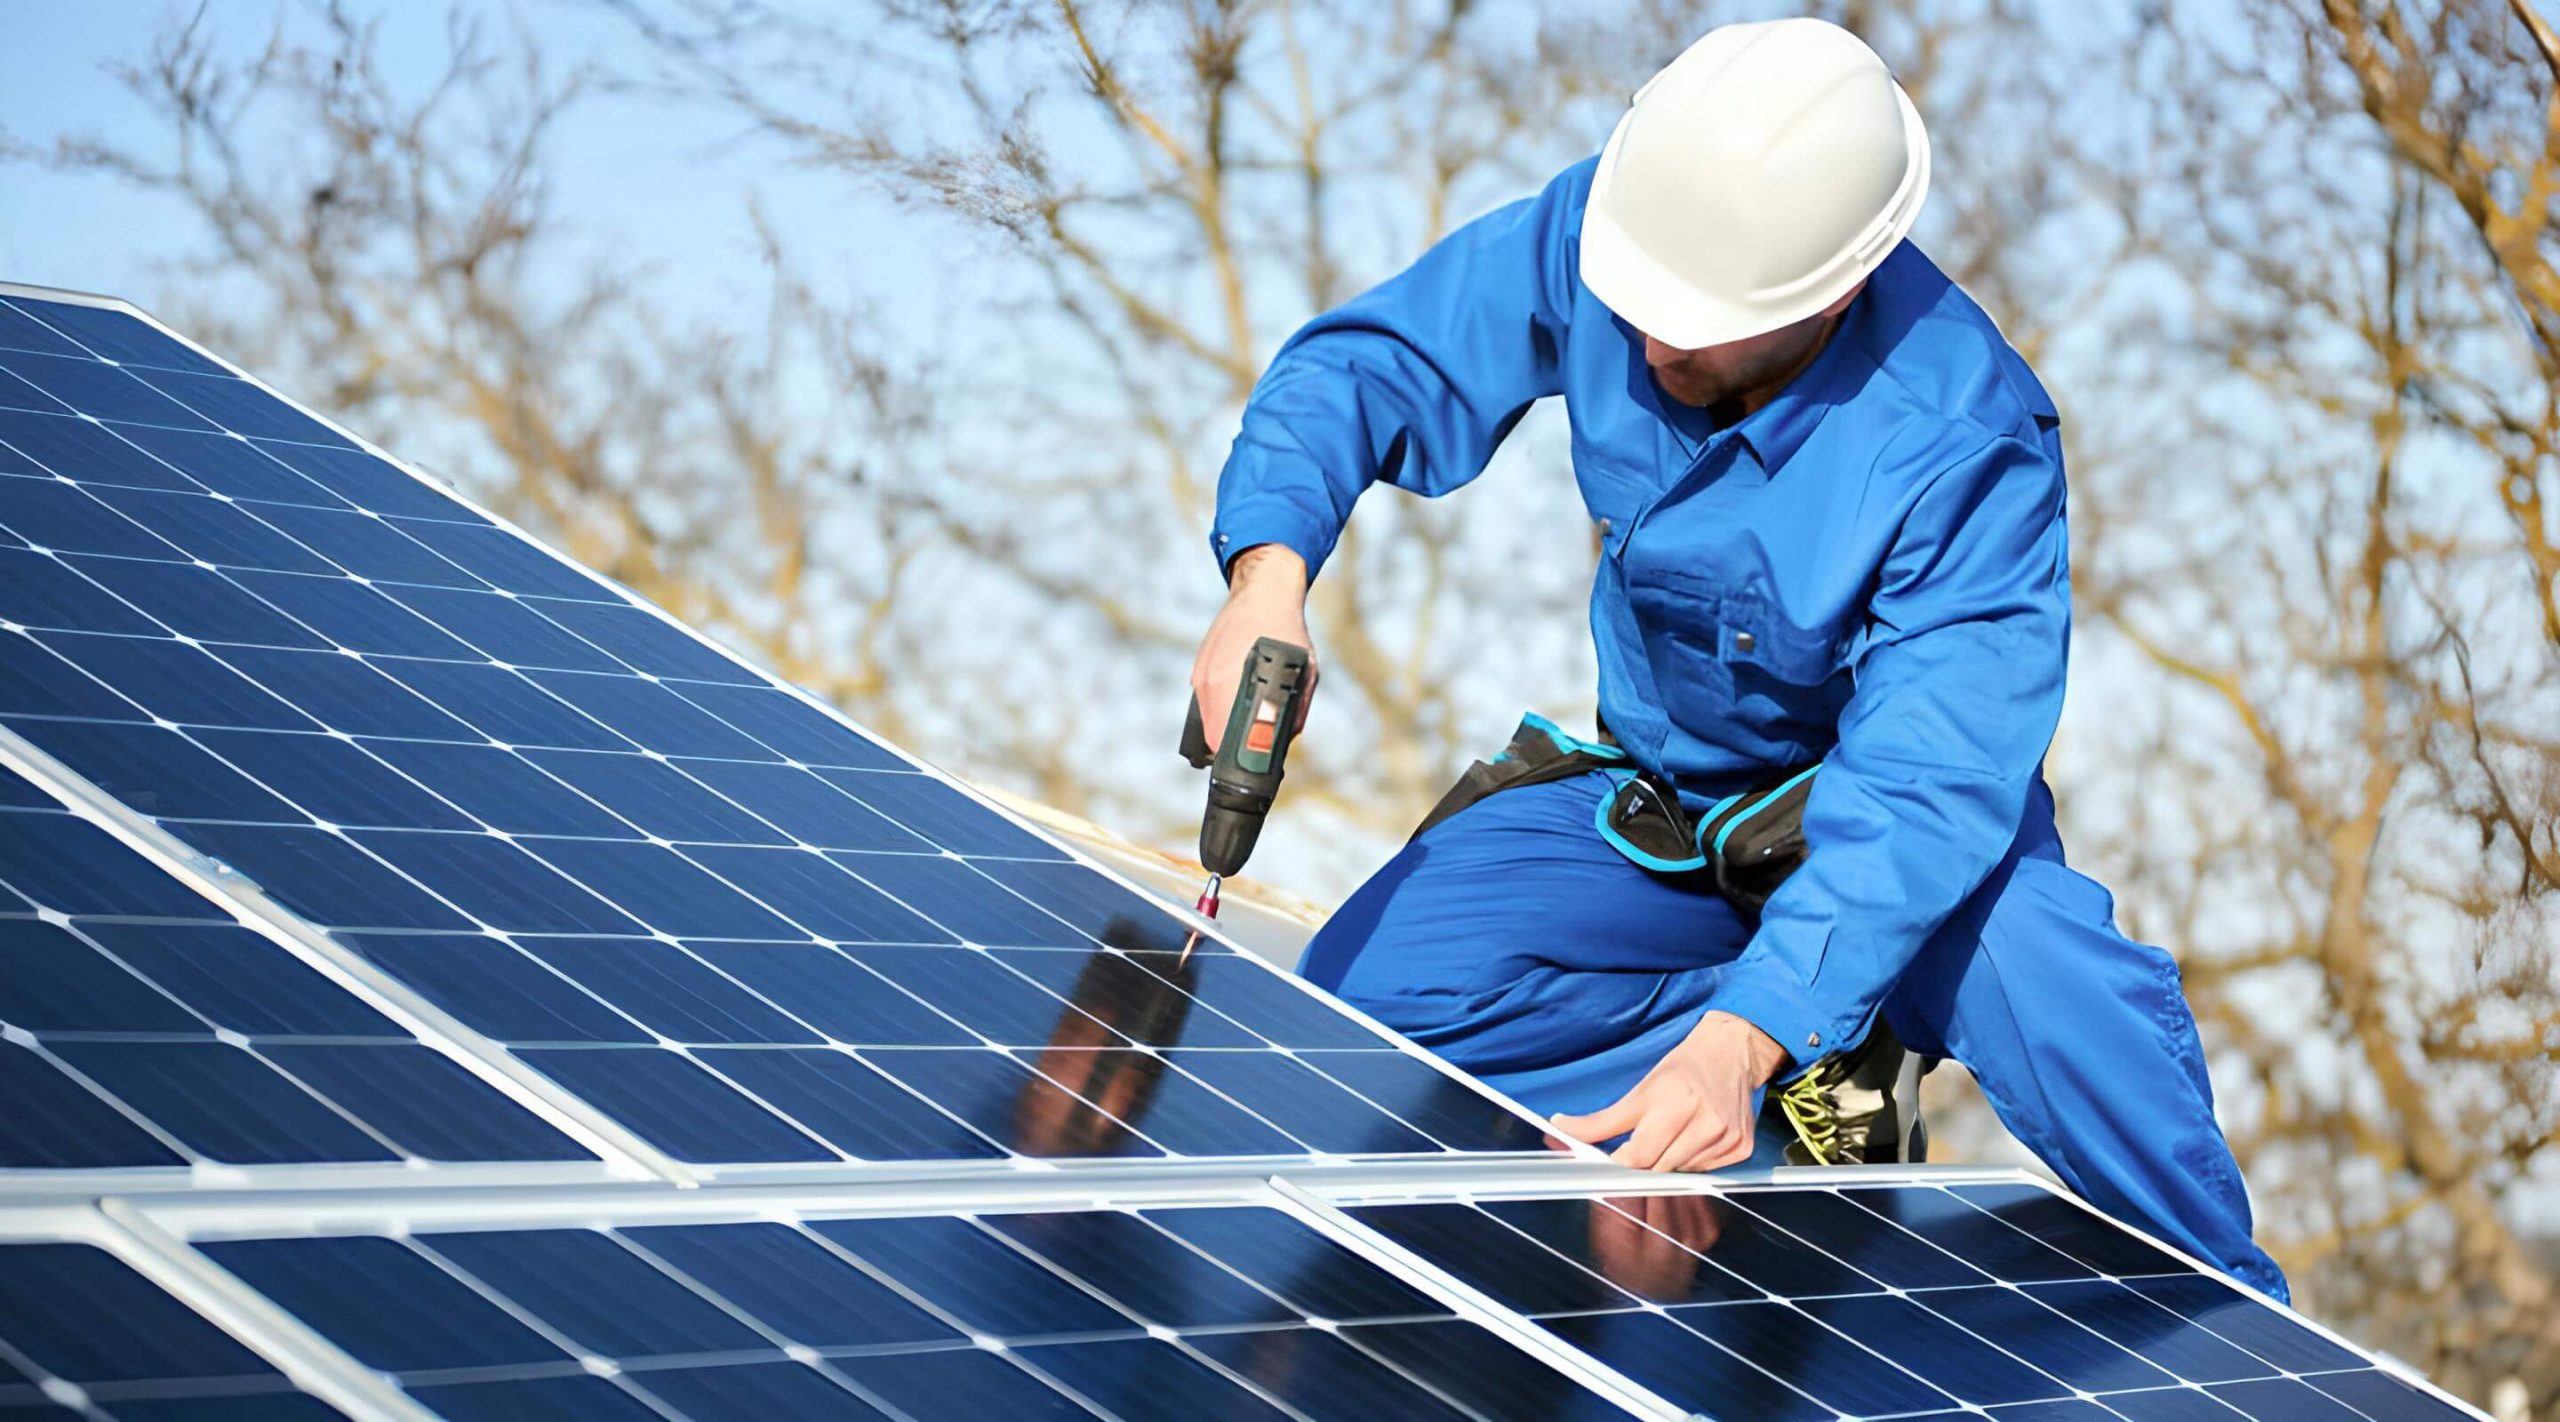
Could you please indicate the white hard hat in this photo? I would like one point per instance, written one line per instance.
(1754, 181)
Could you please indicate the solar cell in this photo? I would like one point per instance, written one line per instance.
(584, 832)
(141, 1025)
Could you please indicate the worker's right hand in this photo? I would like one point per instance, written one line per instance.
(1266, 597)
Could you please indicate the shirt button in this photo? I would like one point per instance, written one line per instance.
(1744, 641)
(1813, 1039)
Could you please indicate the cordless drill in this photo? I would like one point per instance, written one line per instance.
(1244, 764)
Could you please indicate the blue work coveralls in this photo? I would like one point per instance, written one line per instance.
(1869, 571)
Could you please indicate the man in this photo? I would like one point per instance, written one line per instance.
(1831, 508)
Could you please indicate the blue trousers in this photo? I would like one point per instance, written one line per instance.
(1514, 942)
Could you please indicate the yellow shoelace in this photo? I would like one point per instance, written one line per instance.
(1813, 1111)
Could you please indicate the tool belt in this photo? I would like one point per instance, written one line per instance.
(1750, 841)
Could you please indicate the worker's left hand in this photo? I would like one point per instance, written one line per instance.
(1693, 1110)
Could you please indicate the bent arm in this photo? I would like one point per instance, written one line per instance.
(1414, 382)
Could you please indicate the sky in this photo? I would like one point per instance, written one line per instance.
(666, 180)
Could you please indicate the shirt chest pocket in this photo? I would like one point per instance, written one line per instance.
(1735, 673)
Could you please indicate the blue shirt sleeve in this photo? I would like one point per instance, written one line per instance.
(1959, 686)
(1414, 382)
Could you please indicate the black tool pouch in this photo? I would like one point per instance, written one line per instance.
(1754, 840)
(1538, 753)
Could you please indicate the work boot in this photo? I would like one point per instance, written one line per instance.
(1855, 1108)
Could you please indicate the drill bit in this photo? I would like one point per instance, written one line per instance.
(1207, 907)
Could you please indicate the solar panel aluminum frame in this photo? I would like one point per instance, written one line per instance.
(623, 1150)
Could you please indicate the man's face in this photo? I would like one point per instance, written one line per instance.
(1712, 375)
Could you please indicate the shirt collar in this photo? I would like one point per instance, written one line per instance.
(1778, 429)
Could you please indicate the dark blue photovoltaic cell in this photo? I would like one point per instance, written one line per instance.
(57, 862)
(1997, 1249)
(345, 694)
(1437, 1104)
(228, 1407)
(962, 900)
(652, 716)
(1495, 1380)
(1005, 1007)
(157, 772)
(320, 876)
(2283, 1400)
(55, 383)
(1144, 1380)
(664, 892)
(21, 332)
(240, 980)
(656, 797)
(1009, 1103)
(383, 1303)
(176, 682)
(1143, 1269)
(85, 1316)
(960, 1383)
(2065, 1226)
(354, 616)
(2045, 1339)
(1651, 1246)
(2146, 1328)
(229, 466)
(52, 981)
(850, 1105)
(494, 882)
(2176, 1404)
(425, 1102)
(1487, 1254)
(1158, 1011)
(496, 988)
(366, 547)
(68, 447)
(940, 813)
(675, 1105)
(794, 729)
(814, 893)
(50, 514)
(223, 1101)
(501, 558)
(645, 643)
(332, 780)
(1841, 1230)
(535, 1400)
(834, 994)
(1318, 1374)
(504, 629)
(39, 591)
(1277, 1010)
(1171, 1108)
(212, 530)
(605, 1298)
(1321, 1278)
(667, 989)
(237, 406)
(367, 482)
(1682, 1367)
(54, 1123)
(1309, 1106)
(2379, 1395)
(498, 787)
(792, 1284)
(1935, 1350)
(804, 806)
(196, 602)
(1812, 1358)
(111, 335)
(974, 1276)
(753, 1391)
(2246, 1322)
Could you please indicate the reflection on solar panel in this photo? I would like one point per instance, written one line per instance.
(434, 983)
(734, 927)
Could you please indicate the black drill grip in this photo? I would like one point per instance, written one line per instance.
(1246, 764)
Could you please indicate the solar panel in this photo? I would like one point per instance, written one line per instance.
(1817, 1302)
(143, 1026)
(728, 927)
(441, 985)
